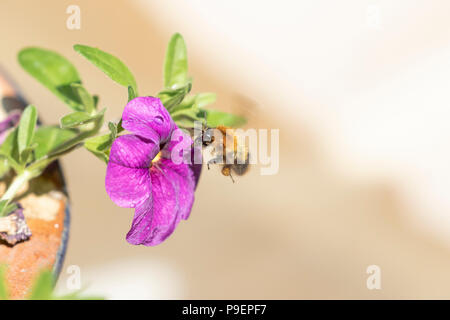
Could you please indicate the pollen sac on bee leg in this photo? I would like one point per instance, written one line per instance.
(14, 227)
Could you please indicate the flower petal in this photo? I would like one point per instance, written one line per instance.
(127, 187)
(127, 179)
(183, 178)
(147, 117)
(133, 151)
(181, 152)
(157, 217)
(180, 149)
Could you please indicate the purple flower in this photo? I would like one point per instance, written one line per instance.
(143, 174)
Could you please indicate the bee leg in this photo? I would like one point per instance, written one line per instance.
(213, 161)
(231, 177)
(226, 171)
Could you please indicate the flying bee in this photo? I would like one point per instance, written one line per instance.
(226, 148)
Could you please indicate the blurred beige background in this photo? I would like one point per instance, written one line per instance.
(360, 93)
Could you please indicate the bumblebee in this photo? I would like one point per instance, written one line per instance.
(228, 150)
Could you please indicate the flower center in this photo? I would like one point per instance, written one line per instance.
(155, 159)
(158, 156)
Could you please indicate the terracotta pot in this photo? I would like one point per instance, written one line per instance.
(47, 212)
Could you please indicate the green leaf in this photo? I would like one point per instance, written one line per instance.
(86, 99)
(216, 118)
(114, 130)
(131, 93)
(198, 101)
(170, 98)
(43, 286)
(79, 118)
(185, 122)
(49, 138)
(3, 205)
(119, 126)
(11, 207)
(175, 63)
(6, 207)
(193, 113)
(26, 155)
(10, 150)
(4, 166)
(187, 112)
(96, 99)
(4, 294)
(67, 145)
(26, 129)
(187, 103)
(185, 118)
(100, 146)
(53, 71)
(194, 101)
(204, 99)
(109, 64)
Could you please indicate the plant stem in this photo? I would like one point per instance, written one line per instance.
(15, 186)
(35, 169)
(17, 183)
